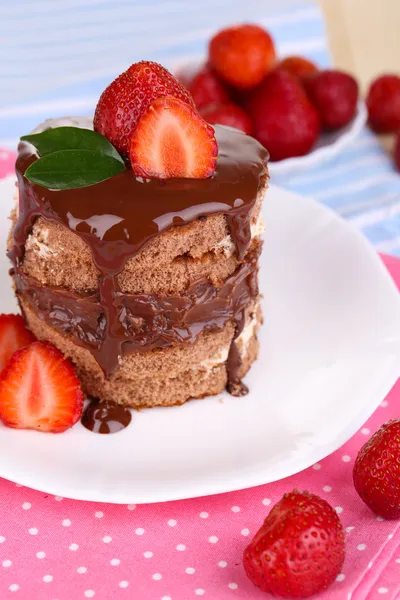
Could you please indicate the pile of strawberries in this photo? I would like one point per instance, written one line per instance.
(285, 105)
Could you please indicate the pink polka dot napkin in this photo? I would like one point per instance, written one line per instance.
(57, 549)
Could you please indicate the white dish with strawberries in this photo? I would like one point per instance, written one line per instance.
(329, 145)
(330, 352)
(302, 114)
(326, 148)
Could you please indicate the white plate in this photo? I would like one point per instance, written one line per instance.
(327, 147)
(330, 352)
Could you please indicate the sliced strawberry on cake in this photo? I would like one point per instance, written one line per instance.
(172, 140)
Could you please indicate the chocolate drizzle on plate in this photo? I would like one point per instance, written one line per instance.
(105, 417)
(116, 218)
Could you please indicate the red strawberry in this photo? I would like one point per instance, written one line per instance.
(334, 95)
(383, 103)
(172, 140)
(206, 88)
(283, 118)
(397, 152)
(299, 549)
(13, 336)
(242, 55)
(125, 100)
(376, 472)
(39, 390)
(298, 66)
(227, 114)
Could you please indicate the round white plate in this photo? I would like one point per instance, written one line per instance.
(327, 147)
(330, 352)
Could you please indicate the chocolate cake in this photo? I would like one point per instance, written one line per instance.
(149, 286)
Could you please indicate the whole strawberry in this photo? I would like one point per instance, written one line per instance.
(397, 152)
(376, 472)
(206, 88)
(298, 66)
(242, 55)
(334, 95)
(227, 114)
(283, 118)
(125, 100)
(383, 103)
(299, 550)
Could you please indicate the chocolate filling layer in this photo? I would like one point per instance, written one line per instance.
(147, 321)
(116, 218)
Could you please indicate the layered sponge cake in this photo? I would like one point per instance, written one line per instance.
(149, 285)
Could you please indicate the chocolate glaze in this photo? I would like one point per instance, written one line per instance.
(116, 218)
(235, 386)
(106, 417)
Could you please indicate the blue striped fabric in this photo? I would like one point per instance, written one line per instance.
(61, 55)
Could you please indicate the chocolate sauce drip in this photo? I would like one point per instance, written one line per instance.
(106, 417)
(116, 218)
(235, 386)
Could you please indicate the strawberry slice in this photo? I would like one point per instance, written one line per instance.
(172, 140)
(40, 390)
(13, 336)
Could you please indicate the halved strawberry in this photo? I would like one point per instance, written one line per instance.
(40, 390)
(172, 140)
(125, 100)
(13, 336)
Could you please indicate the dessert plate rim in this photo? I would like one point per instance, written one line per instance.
(24, 455)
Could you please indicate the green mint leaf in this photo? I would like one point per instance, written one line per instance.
(69, 169)
(71, 138)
